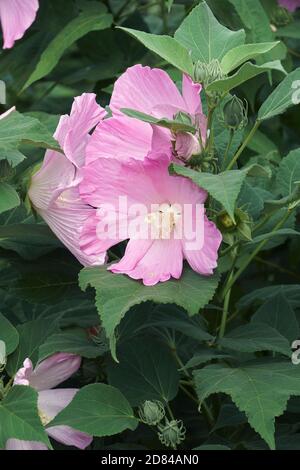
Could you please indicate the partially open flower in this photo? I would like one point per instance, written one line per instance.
(54, 190)
(48, 374)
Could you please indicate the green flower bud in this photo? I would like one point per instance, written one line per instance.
(239, 228)
(184, 118)
(6, 171)
(281, 17)
(235, 113)
(208, 73)
(152, 412)
(172, 433)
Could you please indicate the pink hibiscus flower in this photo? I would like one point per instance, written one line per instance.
(150, 91)
(290, 5)
(167, 202)
(47, 375)
(16, 17)
(54, 188)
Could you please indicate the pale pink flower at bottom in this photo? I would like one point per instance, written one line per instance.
(290, 5)
(16, 17)
(54, 188)
(48, 374)
(147, 183)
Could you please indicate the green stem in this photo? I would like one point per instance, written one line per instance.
(164, 16)
(225, 310)
(259, 247)
(244, 145)
(228, 145)
(210, 128)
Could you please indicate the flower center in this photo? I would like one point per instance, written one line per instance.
(163, 221)
(44, 418)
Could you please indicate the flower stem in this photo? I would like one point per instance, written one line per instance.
(259, 247)
(225, 310)
(228, 146)
(244, 145)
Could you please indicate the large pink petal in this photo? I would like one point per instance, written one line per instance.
(73, 131)
(105, 180)
(66, 218)
(144, 89)
(56, 174)
(52, 402)
(17, 444)
(16, 17)
(204, 259)
(54, 370)
(69, 436)
(135, 251)
(163, 260)
(119, 137)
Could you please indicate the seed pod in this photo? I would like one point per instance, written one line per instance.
(152, 412)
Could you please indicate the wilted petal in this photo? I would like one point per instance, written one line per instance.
(24, 374)
(16, 16)
(186, 145)
(73, 130)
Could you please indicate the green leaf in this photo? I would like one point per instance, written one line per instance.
(205, 355)
(32, 335)
(279, 233)
(260, 389)
(288, 173)
(290, 291)
(205, 37)
(28, 240)
(93, 18)
(255, 19)
(255, 337)
(116, 294)
(9, 198)
(278, 313)
(75, 341)
(19, 417)
(8, 334)
(175, 126)
(147, 371)
(98, 410)
(13, 156)
(17, 128)
(224, 187)
(282, 98)
(292, 30)
(245, 73)
(212, 447)
(237, 56)
(166, 47)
